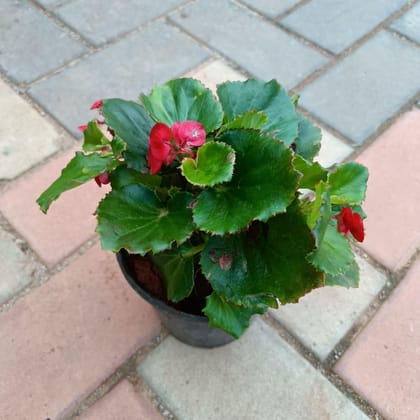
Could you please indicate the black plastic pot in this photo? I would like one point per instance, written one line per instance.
(188, 328)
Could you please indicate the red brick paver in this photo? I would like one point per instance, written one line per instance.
(393, 197)
(69, 222)
(60, 342)
(122, 403)
(383, 364)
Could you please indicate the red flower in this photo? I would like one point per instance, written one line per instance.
(97, 104)
(102, 179)
(166, 143)
(82, 128)
(349, 222)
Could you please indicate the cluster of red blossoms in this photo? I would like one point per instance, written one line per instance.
(349, 222)
(166, 143)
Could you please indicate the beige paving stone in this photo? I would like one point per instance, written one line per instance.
(215, 72)
(25, 137)
(69, 222)
(122, 403)
(257, 377)
(60, 342)
(15, 267)
(383, 364)
(332, 150)
(323, 317)
(393, 195)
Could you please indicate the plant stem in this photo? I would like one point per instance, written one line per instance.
(193, 251)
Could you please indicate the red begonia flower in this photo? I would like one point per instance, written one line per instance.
(102, 179)
(349, 222)
(159, 147)
(97, 104)
(82, 128)
(188, 133)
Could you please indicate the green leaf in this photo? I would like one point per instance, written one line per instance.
(334, 254)
(251, 119)
(256, 191)
(308, 141)
(118, 146)
(237, 98)
(350, 278)
(132, 124)
(213, 165)
(269, 259)
(320, 214)
(178, 273)
(80, 169)
(184, 100)
(312, 173)
(94, 139)
(135, 219)
(123, 176)
(223, 314)
(348, 183)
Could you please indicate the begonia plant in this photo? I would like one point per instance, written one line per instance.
(226, 187)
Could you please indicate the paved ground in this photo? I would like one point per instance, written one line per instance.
(76, 341)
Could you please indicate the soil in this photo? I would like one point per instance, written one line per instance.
(148, 278)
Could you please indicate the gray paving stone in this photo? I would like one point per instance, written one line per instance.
(125, 69)
(259, 47)
(15, 267)
(31, 44)
(25, 137)
(258, 377)
(409, 23)
(335, 25)
(50, 3)
(366, 88)
(322, 318)
(271, 8)
(101, 20)
(332, 150)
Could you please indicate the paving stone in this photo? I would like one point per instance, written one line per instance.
(101, 20)
(409, 23)
(69, 222)
(26, 52)
(332, 150)
(155, 55)
(213, 73)
(393, 196)
(336, 25)
(261, 48)
(383, 364)
(15, 267)
(322, 318)
(122, 403)
(366, 88)
(258, 377)
(271, 8)
(64, 339)
(50, 3)
(25, 137)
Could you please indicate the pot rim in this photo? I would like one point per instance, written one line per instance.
(122, 255)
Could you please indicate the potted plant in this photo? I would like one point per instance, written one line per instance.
(217, 203)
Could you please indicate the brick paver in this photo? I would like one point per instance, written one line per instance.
(366, 88)
(260, 47)
(16, 268)
(154, 55)
(393, 197)
(271, 8)
(64, 339)
(26, 51)
(332, 150)
(409, 23)
(260, 370)
(25, 137)
(66, 226)
(336, 25)
(323, 317)
(122, 403)
(102, 20)
(384, 362)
